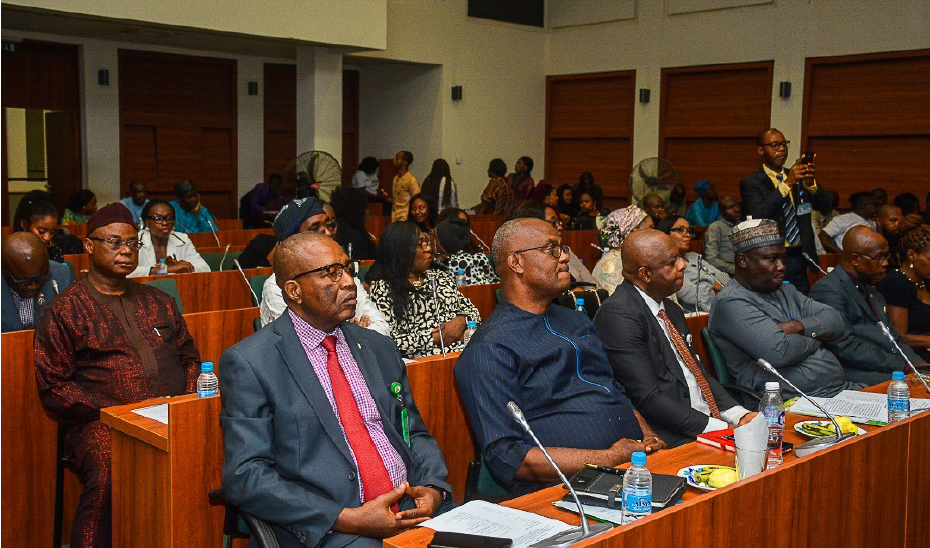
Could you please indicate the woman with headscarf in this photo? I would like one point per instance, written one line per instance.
(619, 224)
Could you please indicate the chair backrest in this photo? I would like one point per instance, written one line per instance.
(257, 324)
(214, 258)
(170, 286)
(498, 295)
(257, 283)
(720, 365)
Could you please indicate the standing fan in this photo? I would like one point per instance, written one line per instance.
(652, 175)
(316, 169)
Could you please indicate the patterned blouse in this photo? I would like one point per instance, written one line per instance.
(414, 336)
(477, 267)
(498, 196)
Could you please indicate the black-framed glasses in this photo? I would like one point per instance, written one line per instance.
(775, 145)
(881, 258)
(333, 271)
(161, 218)
(116, 244)
(683, 230)
(22, 282)
(556, 250)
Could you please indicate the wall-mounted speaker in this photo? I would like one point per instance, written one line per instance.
(644, 95)
(456, 93)
(784, 89)
(103, 77)
(253, 88)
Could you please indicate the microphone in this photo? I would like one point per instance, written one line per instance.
(434, 285)
(597, 247)
(575, 534)
(697, 285)
(887, 332)
(223, 260)
(815, 444)
(350, 250)
(480, 241)
(213, 228)
(813, 262)
(256, 300)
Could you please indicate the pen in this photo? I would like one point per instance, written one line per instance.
(614, 471)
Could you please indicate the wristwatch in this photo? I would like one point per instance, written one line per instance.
(445, 494)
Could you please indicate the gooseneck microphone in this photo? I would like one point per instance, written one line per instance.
(434, 286)
(571, 536)
(813, 262)
(815, 444)
(223, 260)
(213, 229)
(480, 241)
(244, 277)
(887, 332)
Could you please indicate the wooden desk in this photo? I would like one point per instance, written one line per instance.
(208, 291)
(482, 296)
(217, 330)
(695, 324)
(232, 237)
(580, 241)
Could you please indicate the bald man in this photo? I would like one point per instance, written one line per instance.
(548, 360)
(866, 353)
(649, 346)
(29, 282)
(321, 434)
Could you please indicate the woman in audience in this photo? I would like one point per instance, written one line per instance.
(908, 203)
(456, 250)
(366, 178)
(567, 208)
(521, 181)
(619, 224)
(404, 294)
(350, 206)
(497, 196)
(592, 213)
(539, 210)
(81, 205)
(37, 214)
(551, 198)
(160, 241)
(439, 188)
(422, 212)
(906, 289)
(702, 280)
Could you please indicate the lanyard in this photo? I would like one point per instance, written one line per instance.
(404, 416)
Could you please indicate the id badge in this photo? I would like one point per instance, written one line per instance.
(804, 209)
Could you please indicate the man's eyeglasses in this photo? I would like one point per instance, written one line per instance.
(333, 271)
(161, 218)
(22, 282)
(775, 145)
(881, 258)
(320, 228)
(116, 244)
(683, 230)
(556, 250)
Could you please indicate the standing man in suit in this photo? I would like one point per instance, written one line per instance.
(866, 353)
(787, 196)
(320, 432)
(29, 281)
(649, 346)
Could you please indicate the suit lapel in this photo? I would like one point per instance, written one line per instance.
(666, 350)
(850, 288)
(9, 308)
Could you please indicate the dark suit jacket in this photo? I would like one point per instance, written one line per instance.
(10, 315)
(762, 200)
(865, 351)
(645, 363)
(286, 459)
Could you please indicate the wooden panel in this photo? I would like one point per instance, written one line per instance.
(178, 155)
(724, 160)
(232, 237)
(140, 480)
(208, 291)
(375, 223)
(218, 165)
(280, 115)
(482, 296)
(350, 117)
(918, 477)
(138, 157)
(580, 242)
(280, 150)
(216, 331)
(609, 160)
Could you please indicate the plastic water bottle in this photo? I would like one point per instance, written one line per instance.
(469, 330)
(162, 269)
(637, 489)
(460, 278)
(772, 407)
(899, 398)
(207, 383)
(579, 306)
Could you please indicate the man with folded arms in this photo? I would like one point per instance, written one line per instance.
(548, 360)
(866, 353)
(649, 346)
(30, 280)
(758, 316)
(108, 341)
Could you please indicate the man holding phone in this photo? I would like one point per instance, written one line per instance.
(787, 196)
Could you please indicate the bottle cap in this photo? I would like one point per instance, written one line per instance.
(638, 459)
(206, 367)
(897, 376)
(772, 385)
(163, 259)
(472, 324)
(579, 301)
(461, 271)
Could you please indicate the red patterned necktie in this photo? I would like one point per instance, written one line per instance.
(685, 354)
(375, 478)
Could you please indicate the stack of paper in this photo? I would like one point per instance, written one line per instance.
(861, 407)
(492, 520)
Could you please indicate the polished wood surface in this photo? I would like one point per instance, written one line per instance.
(280, 116)
(217, 330)
(580, 241)
(207, 291)
(231, 237)
(695, 325)
(482, 296)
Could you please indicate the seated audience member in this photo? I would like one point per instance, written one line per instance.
(888, 222)
(866, 353)
(189, 214)
(586, 184)
(310, 215)
(422, 213)
(676, 205)
(404, 295)
(591, 213)
(108, 341)
(37, 214)
(548, 360)
(439, 188)
(366, 179)
(552, 197)
(136, 200)
(300, 408)
(619, 224)
(497, 196)
(908, 203)
(30, 281)
(905, 289)
(456, 250)
(539, 210)
(717, 248)
(404, 186)
(566, 208)
(654, 206)
(705, 209)
(350, 206)
(261, 200)
(649, 347)
(159, 240)
(862, 214)
(758, 316)
(81, 205)
(820, 220)
(521, 181)
(881, 196)
(702, 281)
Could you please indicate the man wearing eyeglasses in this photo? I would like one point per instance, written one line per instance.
(108, 341)
(321, 435)
(787, 196)
(866, 353)
(30, 281)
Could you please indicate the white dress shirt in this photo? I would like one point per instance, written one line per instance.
(273, 306)
(180, 247)
(698, 403)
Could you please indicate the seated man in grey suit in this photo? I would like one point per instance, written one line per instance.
(758, 316)
(320, 433)
(866, 353)
(649, 346)
(30, 281)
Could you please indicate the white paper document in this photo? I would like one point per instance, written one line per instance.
(861, 407)
(611, 515)
(492, 520)
(154, 412)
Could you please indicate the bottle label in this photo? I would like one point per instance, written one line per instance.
(773, 415)
(206, 393)
(899, 405)
(638, 502)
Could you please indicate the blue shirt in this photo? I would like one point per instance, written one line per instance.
(134, 209)
(698, 215)
(188, 221)
(554, 367)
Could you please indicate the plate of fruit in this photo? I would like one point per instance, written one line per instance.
(819, 429)
(708, 477)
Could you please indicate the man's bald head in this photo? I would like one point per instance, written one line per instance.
(651, 263)
(294, 254)
(525, 254)
(862, 239)
(25, 257)
(865, 254)
(511, 236)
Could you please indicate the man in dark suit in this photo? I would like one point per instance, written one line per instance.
(774, 192)
(321, 435)
(649, 346)
(29, 282)
(866, 353)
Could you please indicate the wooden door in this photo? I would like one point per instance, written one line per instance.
(280, 112)
(350, 102)
(62, 173)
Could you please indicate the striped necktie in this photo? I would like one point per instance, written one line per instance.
(790, 217)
